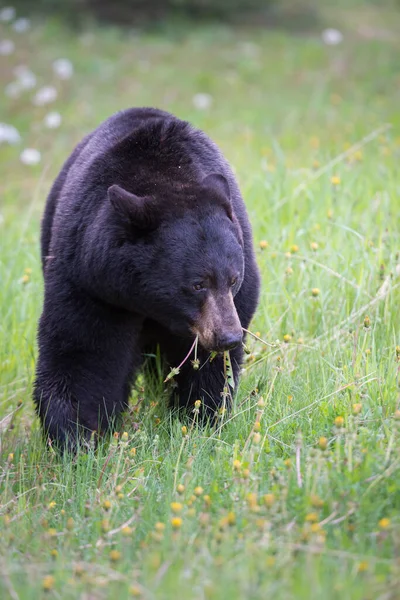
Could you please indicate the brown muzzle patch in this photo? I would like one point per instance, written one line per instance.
(219, 327)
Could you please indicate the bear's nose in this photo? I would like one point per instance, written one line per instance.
(228, 341)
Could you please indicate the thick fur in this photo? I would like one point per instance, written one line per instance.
(145, 243)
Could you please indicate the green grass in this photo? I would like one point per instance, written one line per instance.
(287, 112)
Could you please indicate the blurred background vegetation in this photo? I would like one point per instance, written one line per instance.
(287, 13)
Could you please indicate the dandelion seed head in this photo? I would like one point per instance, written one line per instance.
(202, 101)
(45, 95)
(21, 25)
(332, 37)
(6, 47)
(30, 156)
(7, 14)
(9, 134)
(63, 68)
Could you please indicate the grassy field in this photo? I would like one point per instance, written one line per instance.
(297, 493)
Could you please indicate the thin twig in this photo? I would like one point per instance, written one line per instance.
(174, 369)
(298, 464)
(258, 338)
(118, 529)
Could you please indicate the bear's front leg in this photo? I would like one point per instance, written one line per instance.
(88, 356)
(209, 382)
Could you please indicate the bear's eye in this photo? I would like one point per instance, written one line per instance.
(198, 287)
(233, 281)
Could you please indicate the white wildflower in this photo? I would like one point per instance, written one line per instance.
(52, 120)
(63, 68)
(9, 134)
(45, 95)
(7, 14)
(6, 47)
(332, 37)
(202, 101)
(30, 156)
(21, 25)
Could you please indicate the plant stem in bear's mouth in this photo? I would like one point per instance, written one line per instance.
(228, 371)
(258, 338)
(175, 370)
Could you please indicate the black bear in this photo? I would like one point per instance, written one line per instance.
(145, 245)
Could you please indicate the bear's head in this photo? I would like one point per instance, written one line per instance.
(185, 254)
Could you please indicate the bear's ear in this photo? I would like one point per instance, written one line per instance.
(217, 184)
(140, 211)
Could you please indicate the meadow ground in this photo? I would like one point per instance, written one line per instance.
(297, 493)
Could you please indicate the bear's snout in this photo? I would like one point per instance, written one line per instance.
(219, 328)
(228, 341)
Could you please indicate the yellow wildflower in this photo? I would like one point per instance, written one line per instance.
(312, 517)
(384, 523)
(115, 555)
(176, 507)
(48, 583)
(323, 443)
(269, 500)
(176, 522)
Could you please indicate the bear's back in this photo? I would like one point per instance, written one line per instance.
(145, 150)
